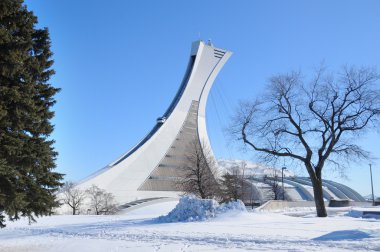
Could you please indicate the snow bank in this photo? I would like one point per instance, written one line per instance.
(191, 208)
(365, 213)
(344, 235)
(354, 214)
(231, 206)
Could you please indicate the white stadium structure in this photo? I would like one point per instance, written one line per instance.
(148, 171)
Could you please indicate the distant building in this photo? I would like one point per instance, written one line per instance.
(260, 180)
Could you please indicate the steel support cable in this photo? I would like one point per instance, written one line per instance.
(219, 93)
(227, 109)
(225, 94)
(220, 124)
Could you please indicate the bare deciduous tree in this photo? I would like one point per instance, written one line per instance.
(101, 201)
(199, 175)
(233, 184)
(110, 206)
(275, 186)
(313, 123)
(231, 187)
(72, 196)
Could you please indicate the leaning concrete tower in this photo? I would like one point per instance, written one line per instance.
(150, 168)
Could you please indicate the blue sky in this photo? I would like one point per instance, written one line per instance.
(119, 64)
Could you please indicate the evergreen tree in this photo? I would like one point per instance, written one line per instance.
(27, 158)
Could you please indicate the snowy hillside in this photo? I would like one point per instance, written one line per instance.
(250, 168)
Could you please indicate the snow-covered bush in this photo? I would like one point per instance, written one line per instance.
(191, 208)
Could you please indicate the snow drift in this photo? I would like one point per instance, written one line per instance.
(373, 213)
(191, 208)
(344, 235)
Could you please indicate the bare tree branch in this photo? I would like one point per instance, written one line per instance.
(73, 197)
(312, 122)
(199, 175)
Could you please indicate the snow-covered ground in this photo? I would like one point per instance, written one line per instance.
(140, 230)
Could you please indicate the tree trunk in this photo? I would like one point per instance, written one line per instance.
(318, 197)
(74, 210)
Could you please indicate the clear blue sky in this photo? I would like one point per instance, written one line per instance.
(119, 64)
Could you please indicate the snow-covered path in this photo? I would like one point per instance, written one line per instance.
(138, 231)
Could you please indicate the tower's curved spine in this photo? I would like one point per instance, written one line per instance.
(149, 168)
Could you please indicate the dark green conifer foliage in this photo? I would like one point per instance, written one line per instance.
(27, 158)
